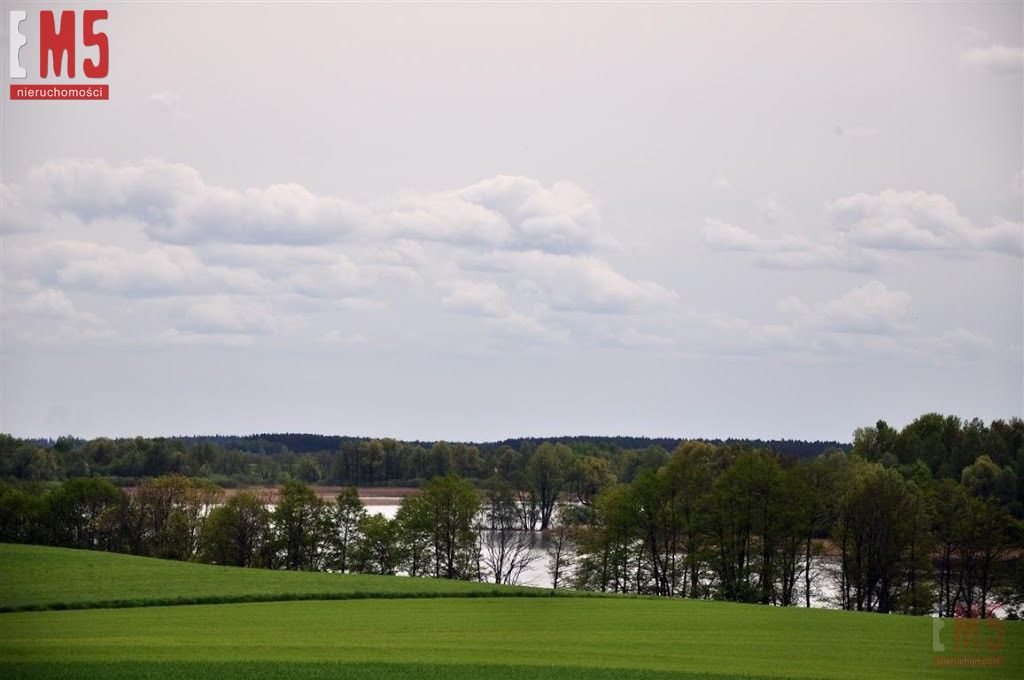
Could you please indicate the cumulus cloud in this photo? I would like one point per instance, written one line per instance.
(176, 205)
(224, 315)
(155, 271)
(582, 284)
(871, 308)
(869, 225)
(512, 251)
(999, 59)
(787, 251)
(520, 259)
(482, 298)
(49, 304)
(919, 220)
(502, 212)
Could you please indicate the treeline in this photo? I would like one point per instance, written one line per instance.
(328, 460)
(747, 526)
(869, 530)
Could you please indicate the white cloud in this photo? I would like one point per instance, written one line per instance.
(787, 251)
(518, 259)
(48, 304)
(481, 298)
(919, 220)
(867, 226)
(159, 270)
(225, 315)
(503, 212)
(999, 59)
(871, 308)
(582, 284)
(510, 249)
(175, 205)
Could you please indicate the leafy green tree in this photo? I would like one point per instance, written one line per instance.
(301, 524)
(349, 512)
(547, 474)
(416, 534)
(237, 533)
(24, 516)
(985, 479)
(450, 506)
(378, 548)
(75, 508)
(589, 476)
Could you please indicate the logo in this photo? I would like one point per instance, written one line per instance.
(968, 642)
(72, 46)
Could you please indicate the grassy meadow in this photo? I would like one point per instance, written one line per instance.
(463, 633)
(37, 577)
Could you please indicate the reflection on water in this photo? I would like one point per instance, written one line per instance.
(823, 590)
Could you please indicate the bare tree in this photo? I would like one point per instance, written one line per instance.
(508, 549)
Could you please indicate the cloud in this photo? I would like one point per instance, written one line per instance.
(503, 212)
(998, 59)
(513, 252)
(787, 251)
(225, 315)
(516, 259)
(869, 225)
(582, 284)
(871, 308)
(478, 298)
(48, 304)
(175, 205)
(919, 220)
(157, 271)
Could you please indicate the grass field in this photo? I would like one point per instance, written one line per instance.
(449, 637)
(36, 577)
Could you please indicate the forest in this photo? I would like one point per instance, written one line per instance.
(330, 460)
(922, 520)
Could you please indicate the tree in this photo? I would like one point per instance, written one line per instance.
(589, 476)
(450, 505)
(301, 523)
(985, 479)
(349, 512)
(237, 533)
(75, 508)
(547, 474)
(559, 548)
(377, 549)
(168, 511)
(507, 548)
(416, 535)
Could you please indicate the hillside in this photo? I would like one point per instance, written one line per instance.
(37, 577)
(461, 635)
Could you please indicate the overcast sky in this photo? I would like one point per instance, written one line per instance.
(480, 221)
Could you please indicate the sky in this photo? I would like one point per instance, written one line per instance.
(472, 222)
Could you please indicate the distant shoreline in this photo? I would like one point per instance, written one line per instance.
(370, 495)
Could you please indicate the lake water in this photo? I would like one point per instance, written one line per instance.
(823, 590)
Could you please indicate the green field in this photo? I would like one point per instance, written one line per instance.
(447, 637)
(35, 577)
